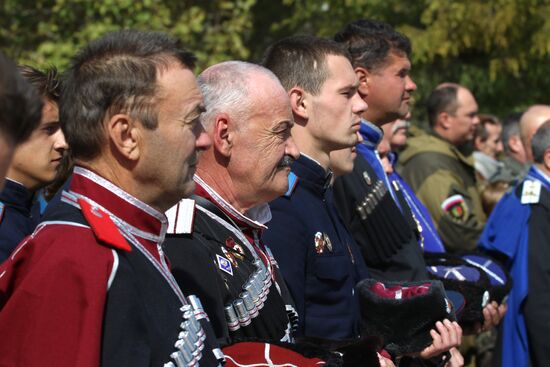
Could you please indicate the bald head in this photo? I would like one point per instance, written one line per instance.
(530, 121)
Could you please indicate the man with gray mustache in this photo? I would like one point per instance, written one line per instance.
(219, 256)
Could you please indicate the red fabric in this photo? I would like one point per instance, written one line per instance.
(406, 292)
(103, 227)
(53, 288)
(52, 296)
(254, 353)
(384, 353)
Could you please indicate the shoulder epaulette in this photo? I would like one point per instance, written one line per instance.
(103, 227)
(181, 217)
(292, 183)
(530, 192)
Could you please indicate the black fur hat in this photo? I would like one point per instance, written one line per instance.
(403, 313)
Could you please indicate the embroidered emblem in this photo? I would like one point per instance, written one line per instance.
(456, 207)
(322, 242)
(367, 178)
(231, 257)
(224, 264)
(530, 194)
(237, 249)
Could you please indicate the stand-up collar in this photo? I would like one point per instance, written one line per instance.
(255, 217)
(372, 134)
(118, 202)
(311, 173)
(17, 196)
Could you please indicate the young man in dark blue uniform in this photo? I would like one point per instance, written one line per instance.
(34, 165)
(318, 258)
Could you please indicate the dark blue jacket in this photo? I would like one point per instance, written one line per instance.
(318, 257)
(17, 220)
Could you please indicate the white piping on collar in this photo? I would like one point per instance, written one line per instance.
(122, 194)
(71, 198)
(255, 217)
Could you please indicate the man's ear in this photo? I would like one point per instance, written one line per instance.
(478, 143)
(124, 135)
(515, 144)
(299, 102)
(222, 135)
(364, 76)
(444, 120)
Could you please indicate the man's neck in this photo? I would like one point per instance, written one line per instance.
(219, 181)
(311, 146)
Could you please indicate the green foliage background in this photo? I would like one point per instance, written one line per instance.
(498, 48)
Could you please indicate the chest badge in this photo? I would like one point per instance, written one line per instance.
(234, 247)
(231, 257)
(224, 264)
(322, 242)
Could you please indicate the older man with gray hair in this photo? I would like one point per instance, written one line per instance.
(220, 257)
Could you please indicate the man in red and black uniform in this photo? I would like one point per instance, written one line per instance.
(91, 286)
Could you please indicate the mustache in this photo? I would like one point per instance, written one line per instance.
(286, 161)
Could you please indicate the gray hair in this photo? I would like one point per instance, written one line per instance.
(226, 88)
(510, 127)
(541, 142)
